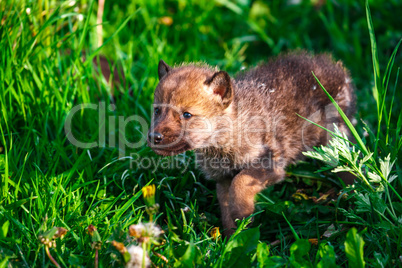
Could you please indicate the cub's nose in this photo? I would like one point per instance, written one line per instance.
(155, 137)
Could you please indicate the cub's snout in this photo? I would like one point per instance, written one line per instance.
(166, 135)
(155, 138)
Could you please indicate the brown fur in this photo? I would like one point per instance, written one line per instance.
(246, 130)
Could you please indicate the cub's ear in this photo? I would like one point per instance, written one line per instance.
(163, 69)
(220, 85)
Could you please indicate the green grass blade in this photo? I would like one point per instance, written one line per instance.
(376, 66)
(385, 86)
(390, 64)
(398, 130)
(378, 91)
(123, 209)
(291, 228)
(85, 29)
(390, 109)
(4, 183)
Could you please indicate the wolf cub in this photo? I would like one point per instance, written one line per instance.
(246, 130)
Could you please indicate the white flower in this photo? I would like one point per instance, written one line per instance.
(136, 257)
(142, 230)
(137, 230)
(153, 230)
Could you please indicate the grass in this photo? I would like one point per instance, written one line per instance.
(47, 68)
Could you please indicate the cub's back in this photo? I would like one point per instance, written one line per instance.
(285, 87)
(287, 80)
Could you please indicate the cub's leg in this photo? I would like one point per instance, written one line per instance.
(243, 189)
(222, 191)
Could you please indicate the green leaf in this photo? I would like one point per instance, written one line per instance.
(96, 237)
(386, 166)
(247, 240)
(374, 178)
(327, 154)
(19, 203)
(363, 203)
(342, 169)
(4, 230)
(50, 233)
(327, 255)
(241, 244)
(299, 254)
(3, 263)
(187, 255)
(380, 260)
(276, 261)
(262, 254)
(264, 260)
(126, 257)
(354, 249)
(351, 216)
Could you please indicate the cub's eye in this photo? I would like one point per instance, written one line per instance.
(187, 115)
(157, 111)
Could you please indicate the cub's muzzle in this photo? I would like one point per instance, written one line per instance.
(155, 138)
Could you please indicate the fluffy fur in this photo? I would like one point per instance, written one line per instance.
(246, 130)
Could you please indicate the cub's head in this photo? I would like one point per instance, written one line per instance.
(189, 103)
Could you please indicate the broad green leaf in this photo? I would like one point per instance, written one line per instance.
(275, 262)
(262, 254)
(3, 263)
(242, 244)
(354, 249)
(299, 254)
(327, 255)
(247, 240)
(265, 261)
(187, 255)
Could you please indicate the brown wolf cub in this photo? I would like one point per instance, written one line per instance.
(246, 130)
